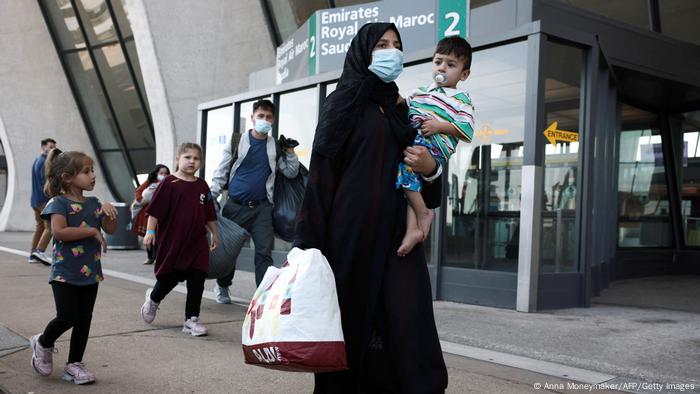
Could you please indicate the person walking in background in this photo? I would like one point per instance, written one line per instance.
(248, 169)
(77, 222)
(142, 198)
(181, 210)
(42, 229)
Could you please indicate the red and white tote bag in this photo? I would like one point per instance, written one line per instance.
(293, 321)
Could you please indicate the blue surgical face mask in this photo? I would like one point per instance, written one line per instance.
(262, 126)
(387, 64)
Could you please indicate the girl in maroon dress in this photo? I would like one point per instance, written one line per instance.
(181, 209)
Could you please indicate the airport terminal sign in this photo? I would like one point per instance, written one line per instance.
(321, 43)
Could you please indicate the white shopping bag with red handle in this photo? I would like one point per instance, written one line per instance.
(293, 321)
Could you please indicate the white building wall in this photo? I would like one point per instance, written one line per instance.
(192, 52)
(35, 103)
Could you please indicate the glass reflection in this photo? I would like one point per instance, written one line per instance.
(97, 21)
(132, 120)
(120, 174)
(643, 206)
(298, 116)
(484, 177)
(65, 23)
(562, 96)
(690, 178)
(219, 130)
(134, 59)
(93, 100)
(121, 12)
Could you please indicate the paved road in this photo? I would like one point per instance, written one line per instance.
(129, 356)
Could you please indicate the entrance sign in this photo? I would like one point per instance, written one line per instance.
(321, 43)
(553, 135)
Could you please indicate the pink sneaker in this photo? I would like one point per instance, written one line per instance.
(78, 374)
(194, 327)
(149, 308)
(42, 357)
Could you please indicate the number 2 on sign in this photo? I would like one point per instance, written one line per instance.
(455, 21)
(312, 52)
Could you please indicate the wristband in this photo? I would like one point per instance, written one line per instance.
(153, 232)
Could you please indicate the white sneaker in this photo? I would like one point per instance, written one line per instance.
(42, 257)
(193, 327)
(149, 308)
(222, 295)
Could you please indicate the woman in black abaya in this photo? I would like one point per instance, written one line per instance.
(354, 214)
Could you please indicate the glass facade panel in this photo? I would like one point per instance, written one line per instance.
(125, 101)
(103, 80)
(219, 130)
(97, 21)
(293, 124)
(679, 19)
(134, 59)
(632, 12)
(484, 177)
(120, 173)
(562, 96)
(643, 206)
(288, 15)
(122, 15)
(66, 27)
(93, 100)
(690, 179)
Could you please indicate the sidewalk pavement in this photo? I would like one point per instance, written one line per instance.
(615, 343)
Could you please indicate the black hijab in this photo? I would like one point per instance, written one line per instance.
(358, 86)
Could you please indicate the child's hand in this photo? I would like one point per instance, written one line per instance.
(148, 240)
(431, 126)
(103, 242)
(214, 242)
(109, 211)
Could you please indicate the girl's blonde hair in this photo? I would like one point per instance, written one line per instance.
(185, 146)
(61, 167)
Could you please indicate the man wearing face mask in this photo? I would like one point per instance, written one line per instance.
(248, 168)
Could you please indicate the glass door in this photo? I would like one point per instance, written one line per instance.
(644, 217)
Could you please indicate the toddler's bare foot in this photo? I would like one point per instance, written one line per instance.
(412, 238)
(425, 219)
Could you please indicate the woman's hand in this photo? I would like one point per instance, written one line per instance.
(420, 159)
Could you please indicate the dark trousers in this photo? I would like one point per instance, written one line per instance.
(74, 305)
(258, 222)
(195, 288)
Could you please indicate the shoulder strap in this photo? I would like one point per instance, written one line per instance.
(235, 141)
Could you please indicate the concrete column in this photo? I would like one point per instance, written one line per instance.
(192, 52)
